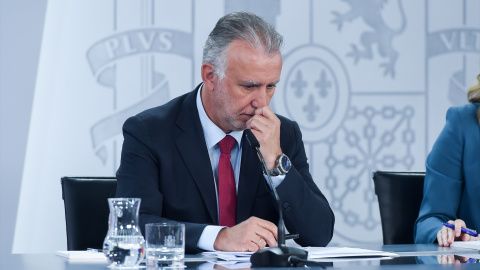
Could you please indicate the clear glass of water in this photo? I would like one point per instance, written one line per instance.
(165, 244)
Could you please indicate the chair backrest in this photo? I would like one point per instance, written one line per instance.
(87, 210)
(399, 195)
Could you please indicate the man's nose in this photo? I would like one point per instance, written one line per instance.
(260, 99)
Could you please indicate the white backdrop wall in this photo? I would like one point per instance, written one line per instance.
(368, 82)
(21, 27)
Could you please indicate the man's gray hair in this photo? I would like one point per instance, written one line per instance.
(239, 26)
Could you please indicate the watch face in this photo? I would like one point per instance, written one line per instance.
(286, 163)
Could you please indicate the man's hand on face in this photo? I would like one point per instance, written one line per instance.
(265, 125)
(251, 235)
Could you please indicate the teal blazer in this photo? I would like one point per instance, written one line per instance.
(452, 179)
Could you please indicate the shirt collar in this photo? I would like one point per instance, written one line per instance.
(212, 133)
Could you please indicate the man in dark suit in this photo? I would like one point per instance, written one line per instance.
(189, 162)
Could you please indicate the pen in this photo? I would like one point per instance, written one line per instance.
(467, 231)
(471, 260)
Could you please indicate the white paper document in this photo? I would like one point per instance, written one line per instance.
(344, 252)
(466, 244)
(232, 264)
(229, 256)
(313, 253)
(82, 255)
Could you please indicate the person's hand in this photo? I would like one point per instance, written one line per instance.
(446, 259)
(446, 236)
(265, 125)
(251, 235)
(451, 259)
(221, 267)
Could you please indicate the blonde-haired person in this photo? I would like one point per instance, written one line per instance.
(452, 180)
(474, 95)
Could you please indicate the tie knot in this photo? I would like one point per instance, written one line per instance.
(226, 144)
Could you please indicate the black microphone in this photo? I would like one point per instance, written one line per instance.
(279, 256)
(252, 140)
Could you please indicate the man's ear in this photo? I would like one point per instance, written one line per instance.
(208, 76)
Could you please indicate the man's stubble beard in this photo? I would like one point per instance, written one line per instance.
(234, 124)
(232, 119)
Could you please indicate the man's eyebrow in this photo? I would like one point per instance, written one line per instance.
(254, 83)
(275, 82)
(250, 83)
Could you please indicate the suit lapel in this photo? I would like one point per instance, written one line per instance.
(250, 177)
(192, 147)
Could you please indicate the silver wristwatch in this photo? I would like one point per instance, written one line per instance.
(282, 166)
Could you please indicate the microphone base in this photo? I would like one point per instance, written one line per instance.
(277, 257)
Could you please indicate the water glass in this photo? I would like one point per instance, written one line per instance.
(165, 244)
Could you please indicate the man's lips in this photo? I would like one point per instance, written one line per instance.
(246, 115)
(249, 114)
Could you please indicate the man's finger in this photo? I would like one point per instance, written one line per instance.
(265, 112)
(252, 247)
(268, 226)
(261, 244)
(267, 237)
(258, 123)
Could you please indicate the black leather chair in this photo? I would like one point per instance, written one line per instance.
(399, 197)
(87, 210)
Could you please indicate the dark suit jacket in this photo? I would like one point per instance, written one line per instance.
(165, 162)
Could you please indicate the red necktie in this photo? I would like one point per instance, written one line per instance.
(227, 194)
